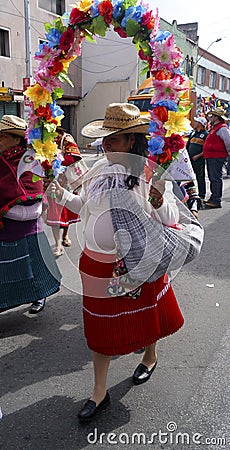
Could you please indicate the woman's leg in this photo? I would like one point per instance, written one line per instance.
(65, 238)
(101, 367)
(150, 357)
(59, 250)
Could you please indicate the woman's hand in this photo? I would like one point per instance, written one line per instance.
(156, 192)
(56, 190)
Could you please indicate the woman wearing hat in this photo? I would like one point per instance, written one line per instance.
(119, 320)
(216, 150)
(28, 271)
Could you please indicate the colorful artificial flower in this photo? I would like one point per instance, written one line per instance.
(105, 9)
(157, 48)
(175, 142)
(177, 123)
(66, 39)
(38, 95)
(85, 5)
(76, 16)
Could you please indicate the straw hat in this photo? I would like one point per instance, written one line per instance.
(218, 112)
(13, 125)
(120, 118)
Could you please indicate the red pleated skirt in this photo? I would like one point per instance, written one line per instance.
(58, 215)
(121, 325)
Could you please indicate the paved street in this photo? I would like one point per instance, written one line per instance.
(46, 368)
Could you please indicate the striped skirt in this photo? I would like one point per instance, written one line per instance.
(121, 325)
(28, 271)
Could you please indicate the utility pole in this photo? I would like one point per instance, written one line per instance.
(27, 35)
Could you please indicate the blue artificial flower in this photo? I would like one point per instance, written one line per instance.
(53, 37)
(56, 110)
(117, 10)
(156, 145)
(35, 133)
(57, 167)
(94, 9)
(152, 127)
(133, 13)
(169, 104)
(40, 48)
(162, 35)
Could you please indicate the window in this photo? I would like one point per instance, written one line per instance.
(4, 43)
(54, 6)
(212, 80)
(222, 83)
(201, 75)
(228, 85)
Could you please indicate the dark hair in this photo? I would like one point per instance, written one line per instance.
(139, 148)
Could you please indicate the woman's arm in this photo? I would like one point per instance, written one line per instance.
(65, 198)
(163, 202)
(23, 213)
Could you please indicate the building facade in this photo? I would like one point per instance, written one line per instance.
(107, 71)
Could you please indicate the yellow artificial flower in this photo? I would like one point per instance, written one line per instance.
(84, 5)
(45, 151)
(59, 119)
(38, 95)
(177, 123)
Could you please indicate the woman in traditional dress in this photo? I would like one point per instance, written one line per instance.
(119, 320)
(28, 271)
(60, 218)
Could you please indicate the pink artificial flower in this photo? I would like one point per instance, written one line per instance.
(166, 55)
(48, 82)
(47, 56)
(166, 89)
(156, 27)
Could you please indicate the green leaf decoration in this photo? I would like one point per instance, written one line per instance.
(100, 26)
(48, 26)
(127, 3)
(57, 93)
(63, 77)
(35, 178)
(132, 27)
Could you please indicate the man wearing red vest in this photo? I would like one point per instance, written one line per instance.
(216, 150)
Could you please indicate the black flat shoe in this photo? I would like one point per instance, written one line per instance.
(142, 373)
(90, 409)
(37, 306)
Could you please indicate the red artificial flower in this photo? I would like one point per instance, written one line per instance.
(56, 68)
(46, 165)
(121, 32)
(142, 55)
(175, 142)
(165, 156)
(161, 75)
(67, 39)
(161, 112)
(105, 9)
(77, 16)
(148, 20)
(44, 112)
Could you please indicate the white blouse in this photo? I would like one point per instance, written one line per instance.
(99, 232)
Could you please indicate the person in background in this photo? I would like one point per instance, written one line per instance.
(216, 150)
(28, 271)
(98, 144)
(118, 325)
(195, 150)
(60, 218)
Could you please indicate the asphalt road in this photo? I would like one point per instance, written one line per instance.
(46, 369)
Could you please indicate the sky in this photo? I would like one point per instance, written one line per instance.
(213, 21)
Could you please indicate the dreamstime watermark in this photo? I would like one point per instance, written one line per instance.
(170, 435)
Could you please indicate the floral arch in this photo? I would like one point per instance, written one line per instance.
(86, 20)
